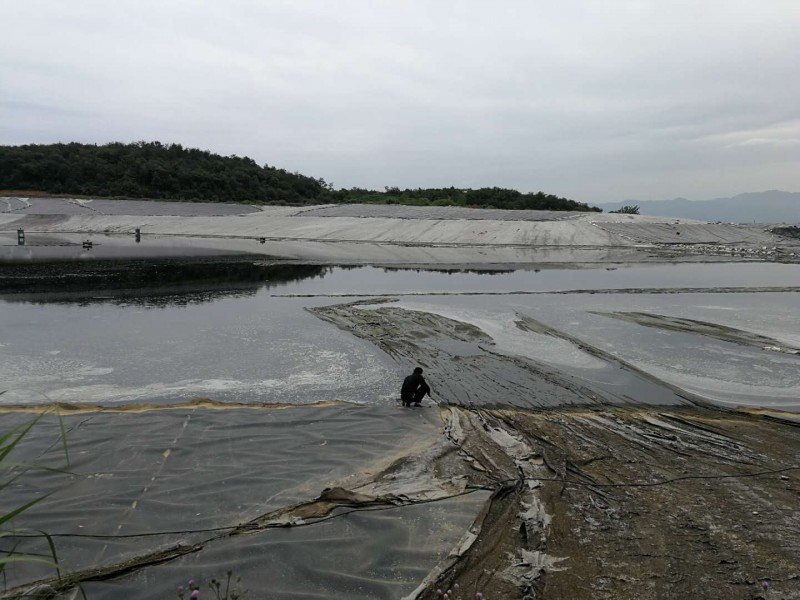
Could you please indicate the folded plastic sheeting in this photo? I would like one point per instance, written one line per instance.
(149, 482)
(365, 554)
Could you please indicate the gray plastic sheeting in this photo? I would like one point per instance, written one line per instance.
(190, 469)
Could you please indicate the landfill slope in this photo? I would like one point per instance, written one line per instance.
(395, 234)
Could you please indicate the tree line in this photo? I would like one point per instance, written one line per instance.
(170, 171)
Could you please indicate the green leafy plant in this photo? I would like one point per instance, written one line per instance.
(10, 472)
(627, 210)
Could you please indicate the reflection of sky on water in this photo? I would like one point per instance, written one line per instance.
(209, 278)
(236, 345)
(371, 280)
(240, 348)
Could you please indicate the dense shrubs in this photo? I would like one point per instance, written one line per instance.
(170, 171)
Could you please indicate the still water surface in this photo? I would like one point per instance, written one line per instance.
(245, 341)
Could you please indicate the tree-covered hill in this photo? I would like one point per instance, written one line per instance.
(494, 197)
(149, 170)
(170, 171)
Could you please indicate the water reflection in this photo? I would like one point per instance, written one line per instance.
(451, 271)
(197, 280)
(171, 282)
(238, 329)
(151, 283)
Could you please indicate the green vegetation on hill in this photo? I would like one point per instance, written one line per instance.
(170, 171)
(482, 198)
(149, 170)
(628, 209)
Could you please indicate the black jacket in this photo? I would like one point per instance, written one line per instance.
(412, 384)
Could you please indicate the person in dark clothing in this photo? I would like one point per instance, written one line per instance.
(414, 388)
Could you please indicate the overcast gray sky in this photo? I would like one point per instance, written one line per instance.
(593, 100)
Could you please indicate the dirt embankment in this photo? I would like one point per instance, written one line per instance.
(628, 503)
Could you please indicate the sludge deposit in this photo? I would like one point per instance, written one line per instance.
(625, 433)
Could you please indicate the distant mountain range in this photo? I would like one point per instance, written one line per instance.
(772, 206)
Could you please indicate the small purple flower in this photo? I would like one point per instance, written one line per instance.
(439, 592)
(765, 584)
(195, 595)
(180, 589)
(478, 596)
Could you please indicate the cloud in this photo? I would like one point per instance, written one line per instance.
(780, 135)
(566, 97)
(767, 142)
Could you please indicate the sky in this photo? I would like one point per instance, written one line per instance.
(592, 100)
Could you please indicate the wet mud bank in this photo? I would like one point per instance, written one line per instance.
(470, 371)
(650, 494)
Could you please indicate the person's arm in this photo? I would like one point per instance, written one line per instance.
(426, 388)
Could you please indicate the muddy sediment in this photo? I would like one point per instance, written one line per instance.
(598, 496)
(471, 371)
(631, 503)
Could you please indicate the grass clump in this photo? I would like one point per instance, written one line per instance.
(11, 471)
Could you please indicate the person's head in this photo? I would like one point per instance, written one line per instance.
(418, 371)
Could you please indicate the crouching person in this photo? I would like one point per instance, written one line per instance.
(414, 388)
